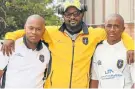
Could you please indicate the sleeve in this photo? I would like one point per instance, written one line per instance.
(19, 33)
(132, 69)
(46, 37)
(3, 61)
(94, 69)
(128, 41)
(100, 34)
(15, 35)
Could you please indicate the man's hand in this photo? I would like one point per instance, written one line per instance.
(7, 47)
(130, 56)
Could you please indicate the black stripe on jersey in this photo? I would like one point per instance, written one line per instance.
(4, 78)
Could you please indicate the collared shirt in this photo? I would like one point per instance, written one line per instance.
(73, 37)
(110, 66)
(25, 67)
(61, 47)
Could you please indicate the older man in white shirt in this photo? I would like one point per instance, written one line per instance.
(109, 66)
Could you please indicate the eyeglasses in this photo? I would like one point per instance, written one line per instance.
(75, 14)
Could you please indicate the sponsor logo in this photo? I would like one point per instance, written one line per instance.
(109, 71)
(85, 40)
(110, 74)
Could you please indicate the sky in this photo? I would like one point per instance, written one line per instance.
(54, 1)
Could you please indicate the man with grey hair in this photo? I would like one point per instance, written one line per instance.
(26, 66)
(109, 66)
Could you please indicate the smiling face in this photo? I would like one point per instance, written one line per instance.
(114, 26)
(72, 16)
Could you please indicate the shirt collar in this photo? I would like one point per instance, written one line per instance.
(39, 45)
(116, 45)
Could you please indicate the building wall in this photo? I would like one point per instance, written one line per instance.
(88, 18)
(109, 7)
(124, 10)
(100, 9)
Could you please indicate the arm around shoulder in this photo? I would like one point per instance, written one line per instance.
(15, 35)
(128, 41)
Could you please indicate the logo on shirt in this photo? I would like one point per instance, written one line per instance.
(41, 58)
(99, 62)
(18, 54)
(85, 40)
(109, 71)
(111, 74)
(120, 63)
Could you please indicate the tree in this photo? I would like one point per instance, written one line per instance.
(2, 17)
(17, 12)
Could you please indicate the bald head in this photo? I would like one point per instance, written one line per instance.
(34, 28)
(35, 17)
(115, 16)
(114, 26)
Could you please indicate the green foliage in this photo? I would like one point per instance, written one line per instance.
(16, 12)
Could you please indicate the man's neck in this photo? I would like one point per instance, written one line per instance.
(30, 45)
(112, 42)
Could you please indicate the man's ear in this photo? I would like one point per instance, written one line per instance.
(82, 14)
(24, 27)
(44, 29)
(123, 28)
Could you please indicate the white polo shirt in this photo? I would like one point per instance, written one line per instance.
(25, 68)
(110, 66)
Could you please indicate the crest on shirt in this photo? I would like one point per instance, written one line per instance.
(120, 63)
(85, 40)
(41, 58)
(99, 62)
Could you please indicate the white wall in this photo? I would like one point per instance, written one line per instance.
(109, 7)
(88, 14)
(126, 8)
(98, 11)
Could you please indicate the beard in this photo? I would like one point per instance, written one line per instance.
(73, 27)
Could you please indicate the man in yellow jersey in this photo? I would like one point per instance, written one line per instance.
(72, 46)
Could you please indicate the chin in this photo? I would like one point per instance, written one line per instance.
(73, 25)
(34, 41)
(111, 37)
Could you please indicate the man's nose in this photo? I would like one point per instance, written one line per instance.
(72, 16)
(112, 28)
(34, 31)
